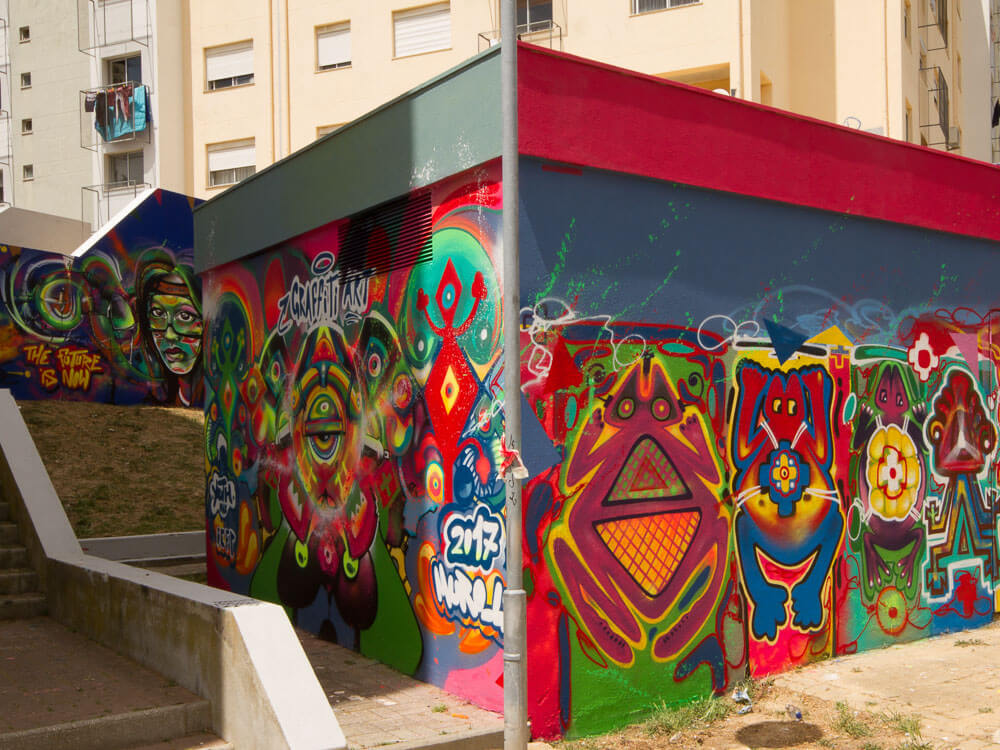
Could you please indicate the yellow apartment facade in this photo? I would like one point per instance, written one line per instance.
(234, 85)
(292, 70)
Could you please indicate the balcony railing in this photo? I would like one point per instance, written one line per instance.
(116, 113)
(935, 31)
(101, 202)
(937, 126)
(545, 32)
(101, 23)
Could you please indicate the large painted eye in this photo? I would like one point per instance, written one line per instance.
(661, 409)
(776, 406)
(792, 407)
(882, 397)
(625, 408)
(324, 427)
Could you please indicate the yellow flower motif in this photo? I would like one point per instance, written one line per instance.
(784, 474)
(893, 473)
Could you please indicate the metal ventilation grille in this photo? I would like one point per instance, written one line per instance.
(386, 238)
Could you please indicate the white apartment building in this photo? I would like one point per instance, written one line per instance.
(96, 105)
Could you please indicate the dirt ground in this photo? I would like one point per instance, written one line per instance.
(122, 469)
(768, 725)
(940, 693)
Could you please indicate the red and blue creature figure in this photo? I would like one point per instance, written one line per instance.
(960, 523)
(788, 510)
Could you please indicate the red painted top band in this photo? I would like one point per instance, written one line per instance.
(578, 111)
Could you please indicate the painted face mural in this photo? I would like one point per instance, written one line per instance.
(87, 328)
(366, 494)
(176, 325)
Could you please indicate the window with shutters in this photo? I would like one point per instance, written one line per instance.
(420, 30)
(229, 163)
(228, 66)
(333, 46)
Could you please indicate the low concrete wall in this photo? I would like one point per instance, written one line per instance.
(239, 653)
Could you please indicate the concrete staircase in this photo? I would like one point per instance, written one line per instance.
(19, 594)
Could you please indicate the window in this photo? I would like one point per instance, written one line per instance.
(333, 46)
(229, 66)
(24, 34)
(645, 6)
(906, 21)
(958, 71)
(421, 30)
(1, 188)
(25, 80)
(908, 123)
(26, 126)
(125, 169)
(228, 163)
(534, 14)
(28, 172)
(125, 69)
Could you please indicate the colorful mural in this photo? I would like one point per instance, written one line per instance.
(733, 470)
(353, 433)
(121, 323)
(737, 473)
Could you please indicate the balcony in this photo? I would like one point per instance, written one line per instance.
(935, 124)
(101, 202)
(934, 31)
(546, 33)
(118, 113)
(103, 23)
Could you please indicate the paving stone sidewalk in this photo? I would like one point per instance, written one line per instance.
(379, 707)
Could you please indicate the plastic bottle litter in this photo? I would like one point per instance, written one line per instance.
(740, 695)
(794, 712)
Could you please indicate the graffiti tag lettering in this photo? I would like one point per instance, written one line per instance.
(478, 540)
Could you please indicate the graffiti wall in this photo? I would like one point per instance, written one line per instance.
(121, 323)
(353, 423)
(758, 436)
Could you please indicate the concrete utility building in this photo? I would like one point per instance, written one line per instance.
(758, 375)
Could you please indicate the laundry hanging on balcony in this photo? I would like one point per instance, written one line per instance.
(120, 110)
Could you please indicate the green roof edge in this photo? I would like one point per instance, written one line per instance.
(376, 157)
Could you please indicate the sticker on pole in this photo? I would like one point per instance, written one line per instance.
(512, 463)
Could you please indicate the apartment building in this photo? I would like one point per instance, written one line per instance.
(201, 94)
(271, 77)
(96, 102)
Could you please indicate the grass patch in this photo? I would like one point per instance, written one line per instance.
(849, 722)
(440, 708)
(971, 642)
(700, 712)
(122, 470)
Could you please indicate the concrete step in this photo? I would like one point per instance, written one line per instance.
(13, 557)
(9, 533)
(18, 581)
(4, 511)
(19, 606)
(118, 731)
(189, 570)
(199, 741)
